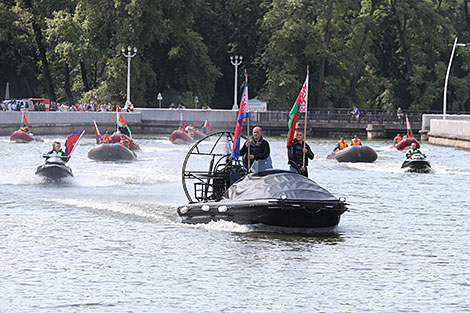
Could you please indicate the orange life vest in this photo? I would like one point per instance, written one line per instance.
(397, 139)
(342, 145)
(125, 142)
(355, 142)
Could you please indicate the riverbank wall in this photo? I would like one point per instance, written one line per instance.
(321, 122)
(450, 133)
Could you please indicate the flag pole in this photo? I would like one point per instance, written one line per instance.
(305, 127)
(247, 125)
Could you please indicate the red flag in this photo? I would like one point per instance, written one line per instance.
(207, 125)
(97, 132)
(183, 124)
(408, 127)
(242, 113)
(300, 105)
(24, 121)
(72, 141)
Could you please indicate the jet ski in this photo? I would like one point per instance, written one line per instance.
(274, 197)
(54, 167)
(417, 164)
(354, 154)
(111, 152)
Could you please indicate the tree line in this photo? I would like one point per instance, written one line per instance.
(375, 54)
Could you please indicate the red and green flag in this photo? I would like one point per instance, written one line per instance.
(122, 123)
(300, 105)
(24, 121)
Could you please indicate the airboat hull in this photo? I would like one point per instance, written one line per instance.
(272, 212)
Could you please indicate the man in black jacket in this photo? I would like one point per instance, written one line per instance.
(295, 153)
(259, 152)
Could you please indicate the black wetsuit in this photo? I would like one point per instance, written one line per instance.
(259, 149)
(295, 155)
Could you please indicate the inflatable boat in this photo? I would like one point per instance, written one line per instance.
(405, 143)
(354, 154)
(111, 152)
(22, 137)
(181, 137)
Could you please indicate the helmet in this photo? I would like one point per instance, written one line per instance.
(355, 136)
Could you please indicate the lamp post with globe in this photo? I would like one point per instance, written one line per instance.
(129, 55)
(236, 61)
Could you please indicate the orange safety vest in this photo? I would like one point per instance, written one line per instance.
(356, 142)
(342, 145)
(397, 139)
(124, 141)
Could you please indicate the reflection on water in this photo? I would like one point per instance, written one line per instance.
(108, 239)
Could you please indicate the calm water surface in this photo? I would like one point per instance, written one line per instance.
(109, 241)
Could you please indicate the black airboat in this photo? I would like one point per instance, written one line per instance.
(227, 191)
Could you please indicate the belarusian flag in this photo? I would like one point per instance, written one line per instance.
(24, 121)
(122, 123)
(300, 105)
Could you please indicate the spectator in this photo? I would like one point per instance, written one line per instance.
(354, 114)
(399, 116)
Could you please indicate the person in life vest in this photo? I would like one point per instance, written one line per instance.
(397, 139)
(413, 151)
(190, 131)
(295, 154)
(341, 144)
(24, 128)
(356, 141)
(124, 141)
(259, 152)
(404, 137)
(106, 138)
(57, 150)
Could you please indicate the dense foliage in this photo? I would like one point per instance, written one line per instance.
(371, 53)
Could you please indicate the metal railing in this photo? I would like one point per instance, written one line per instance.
(344, 116)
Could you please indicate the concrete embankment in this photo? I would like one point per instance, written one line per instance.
(143, 121)
(164, 121)
(427, 118)
(451, 133)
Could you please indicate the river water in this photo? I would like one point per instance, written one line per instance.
(108, 240)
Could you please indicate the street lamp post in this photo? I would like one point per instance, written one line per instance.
(159, 98)
(444, 109)
(236, 61)
(129, 55)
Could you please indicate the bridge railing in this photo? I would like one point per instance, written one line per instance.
(343, 116)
